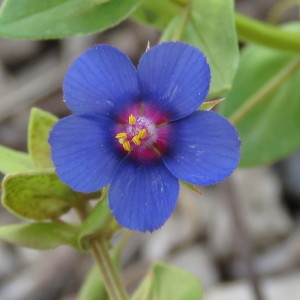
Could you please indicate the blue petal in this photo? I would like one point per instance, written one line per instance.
(175, 77)
(83, 152)
(142, 196)
(204, 149)
(102, 80)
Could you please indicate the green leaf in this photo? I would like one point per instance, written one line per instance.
(208, 25)
(264, 105)
(36, 19)
(40, 124)
(93, 287)
(95, 224)
(36, 196)
(12, 161)
(40, 236)
(167, 282)
(150, 12)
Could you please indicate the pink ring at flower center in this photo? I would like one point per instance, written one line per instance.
(143, 133)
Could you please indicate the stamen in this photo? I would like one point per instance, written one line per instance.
(142, 134)
(136, 140)
(131, 119)
(156, 150)
(161, 124)
(121, 135)
(121, 141)
(133, 135)
(126, 146)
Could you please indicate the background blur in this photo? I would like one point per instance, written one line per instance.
(240, 234)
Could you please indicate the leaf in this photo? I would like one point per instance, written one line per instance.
(167, 282)
(12, 161)
(36, 196)
(208, 25)
(36, 19)
(93, 287)
(95, 224)
(269, 130)
(150, 12)
(40, 236)
(40, 124)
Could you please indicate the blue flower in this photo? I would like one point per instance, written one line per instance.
(139, 130)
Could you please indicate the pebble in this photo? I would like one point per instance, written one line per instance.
(277, 288)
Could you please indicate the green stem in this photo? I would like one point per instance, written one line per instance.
(262, 93)
(112, 281)
(110, 274)
(254, 31)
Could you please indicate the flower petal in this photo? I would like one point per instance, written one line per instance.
(175, 77)
(142, 196)
(204, 150)
(83, 152)
(102, 80)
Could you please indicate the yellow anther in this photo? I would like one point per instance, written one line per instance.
(121, 135)
(121, 141)
(126, 146)
(131, 119)
(142, 134)
(136, 140)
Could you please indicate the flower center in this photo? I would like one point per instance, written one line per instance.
(143, 132)
(138, 132)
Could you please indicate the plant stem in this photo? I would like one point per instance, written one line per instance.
(110, 274)
(261, 94)
(112, 281)
(250, 30)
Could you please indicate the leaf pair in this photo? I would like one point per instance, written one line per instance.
(32, 190)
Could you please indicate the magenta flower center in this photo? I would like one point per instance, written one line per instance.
(138, 132)
(142, 133)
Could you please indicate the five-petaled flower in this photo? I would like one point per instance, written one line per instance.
(139, 130)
